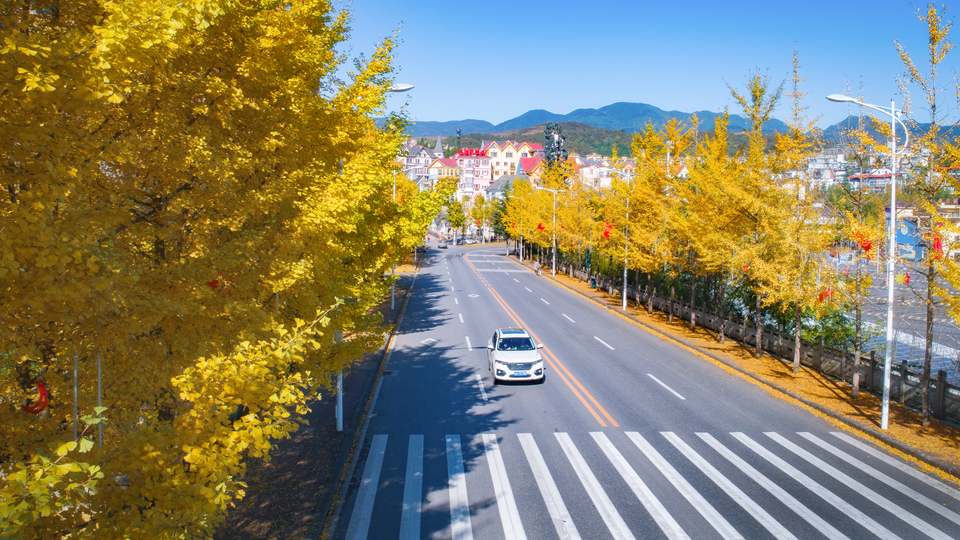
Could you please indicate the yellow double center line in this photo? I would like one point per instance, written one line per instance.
(578, 390)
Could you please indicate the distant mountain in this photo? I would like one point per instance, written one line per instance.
(628, 117)
(433, 129)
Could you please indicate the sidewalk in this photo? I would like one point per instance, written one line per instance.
(289, 497)
(935, 449)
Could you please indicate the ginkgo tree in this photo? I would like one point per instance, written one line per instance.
(197, 218)
(931, 180)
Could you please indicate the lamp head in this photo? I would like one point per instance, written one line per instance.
(400, 87)
(840, 98)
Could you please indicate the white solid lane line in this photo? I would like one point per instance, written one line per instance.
(460, 526)
(544, 301)
(568, 318)
(706, 509)
(604, 342)
(509, 515)
(412, 490)
(863, 490)
(773, 487)
(483, 391)
(362, 511)
(469, 347)
(776, 529)
(562, 521)
(665, 386)
(618, 528)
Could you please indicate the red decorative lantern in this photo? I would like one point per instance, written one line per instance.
(42, 399)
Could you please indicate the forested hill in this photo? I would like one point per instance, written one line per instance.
(580, 138)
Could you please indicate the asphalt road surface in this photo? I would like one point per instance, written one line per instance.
(630, 436)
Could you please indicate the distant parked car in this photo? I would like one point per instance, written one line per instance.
(470, 241)
(460, 241)
(421, 249)
(442, 244)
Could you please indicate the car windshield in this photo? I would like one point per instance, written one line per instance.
(516, 344)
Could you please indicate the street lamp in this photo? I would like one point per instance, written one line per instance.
(554, 227)
(626, 224)
(891, 232)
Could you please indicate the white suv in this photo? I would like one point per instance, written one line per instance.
(513, 356)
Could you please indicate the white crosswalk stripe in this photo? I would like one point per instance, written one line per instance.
(781, 494)
(618, 528)
(360, 521)
(460, 526)
(886, 479)
(657, 470)
(647, 498)
(897, 464)
(562, 521)
(509, 515)
(412, 491)
(776, 529)
(706, 509)
(872, 495)
(818, 489)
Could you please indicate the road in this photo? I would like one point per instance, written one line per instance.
(629, 437)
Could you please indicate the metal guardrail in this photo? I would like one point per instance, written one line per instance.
(905, 385)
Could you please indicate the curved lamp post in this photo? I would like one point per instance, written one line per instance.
(554, 226)
(892, 234)
(626, 225)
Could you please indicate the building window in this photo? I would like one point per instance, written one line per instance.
(509, 154)
(494, 154)
(523, 154)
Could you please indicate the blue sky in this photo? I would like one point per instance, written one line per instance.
(496, 60)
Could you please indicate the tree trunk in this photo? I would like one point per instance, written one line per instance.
(722, 313)
(672, 296)
(928, 349)
(857, 341)
(693, 303)
(758, 351)
(649, 293)
(796, 341)
(636, 278)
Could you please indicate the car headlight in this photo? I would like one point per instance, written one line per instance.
(498, 361)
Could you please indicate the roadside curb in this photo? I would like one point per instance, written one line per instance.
(948, 468)
(331, 501)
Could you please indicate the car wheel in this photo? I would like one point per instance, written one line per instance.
(495, 381)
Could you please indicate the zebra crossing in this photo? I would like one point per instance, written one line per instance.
(781, 481)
